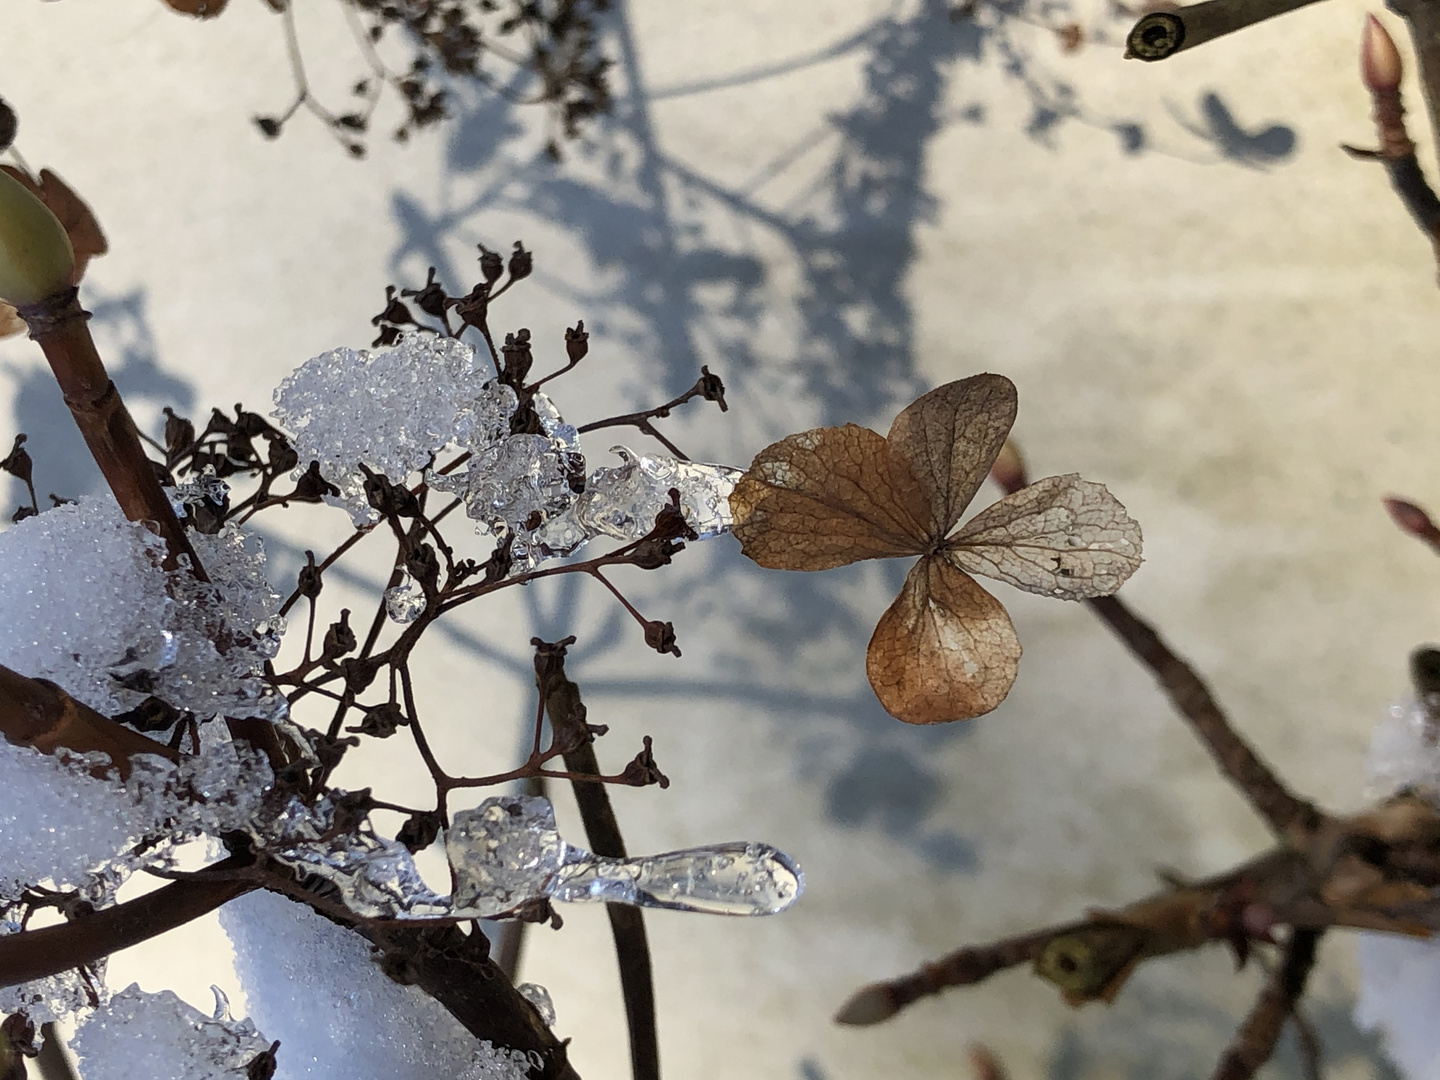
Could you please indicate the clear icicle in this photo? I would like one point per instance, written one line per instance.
(506, 851)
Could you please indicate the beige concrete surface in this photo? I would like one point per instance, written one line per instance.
(1205, 305)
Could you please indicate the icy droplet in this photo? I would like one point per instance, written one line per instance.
(405, 602)
(506, 851)
(538, 996)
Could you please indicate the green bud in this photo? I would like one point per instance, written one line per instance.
(36, 260)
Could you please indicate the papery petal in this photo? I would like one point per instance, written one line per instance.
(827, 497)
(948, 440)
(944, 650)
(1061, 536)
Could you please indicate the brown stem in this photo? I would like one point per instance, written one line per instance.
(457, 971)
(1287, 814)
(1255, 1041)
(1162, 34)
(59, 325)
(34, 954)
(1423, 17)
(602, 830)
(963, 967)
(37, 713)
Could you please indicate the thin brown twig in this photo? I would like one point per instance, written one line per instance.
(1288, 815)
(1255, 1042)
(566, 710)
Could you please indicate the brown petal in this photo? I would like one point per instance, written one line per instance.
(949, 437)
(10, 321)
(201, 9)
(1061, 536)
(824, 498)
(86, 238)
(945, 649)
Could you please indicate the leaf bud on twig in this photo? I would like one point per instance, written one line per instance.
(36, 259)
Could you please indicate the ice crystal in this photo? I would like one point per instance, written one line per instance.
(1405, 752)
(87, 606)
(405, 602)
(622, 502)
(315, 987)
(160, 1037)
(205, 488)
(375, 875)
(523, 487)
(538, 996)
(506, 851)
(54, 997)
(66, 829)
(390, 410)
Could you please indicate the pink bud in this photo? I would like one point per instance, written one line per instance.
(1380, 66)
(1411, 518)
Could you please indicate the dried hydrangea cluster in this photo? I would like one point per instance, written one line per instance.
(526, 488)
(188, 655)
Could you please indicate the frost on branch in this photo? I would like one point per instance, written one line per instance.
(945, 649)
(84, 603)
(315, 987)
(390, 410)
(160, 1037)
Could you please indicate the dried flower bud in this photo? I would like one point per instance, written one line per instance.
(577, 342)
(179, 432)
(642, 771)
(18, 463)
(419, 830)
(712, 389)
(309, 583)
(311, 485)
(36, 259)
(1380, 64)
(491, 264)
(262, 1066)
(521, 262)
(1008, 469)
(339, 639)
(381, 721)
(660, 636)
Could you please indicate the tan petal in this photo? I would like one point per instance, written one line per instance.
(824, 498)
(1061, 536)
(948, 439)
(945, 649)
(10, 321)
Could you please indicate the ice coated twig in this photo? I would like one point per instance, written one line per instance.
(602, 830)
(37, 713)
(1255, 1042)
(1162, 34)
(456, 970)
(34, 954)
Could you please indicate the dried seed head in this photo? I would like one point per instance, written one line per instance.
(1380, 65)
(36, 259)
